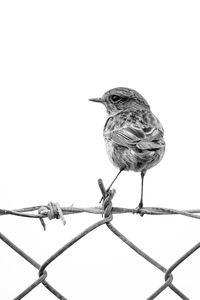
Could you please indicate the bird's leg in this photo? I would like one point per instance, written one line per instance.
(114, 180)
(108, 189)
(142, 187)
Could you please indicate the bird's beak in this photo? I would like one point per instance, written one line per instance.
(96, 100)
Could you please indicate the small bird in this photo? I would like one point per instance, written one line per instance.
(132, 133)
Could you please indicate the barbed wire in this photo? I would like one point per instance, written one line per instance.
(54, 211)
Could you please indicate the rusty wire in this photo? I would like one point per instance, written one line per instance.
(54, 211)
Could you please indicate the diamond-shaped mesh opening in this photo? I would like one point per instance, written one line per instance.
(53, 210)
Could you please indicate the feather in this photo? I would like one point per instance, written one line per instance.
(140, 134)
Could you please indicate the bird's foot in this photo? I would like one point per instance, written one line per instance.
(139, 209)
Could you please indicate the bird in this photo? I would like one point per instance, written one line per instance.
(133, 135)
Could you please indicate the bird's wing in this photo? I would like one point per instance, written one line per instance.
(144, 133)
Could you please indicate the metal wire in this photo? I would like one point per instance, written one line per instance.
(54, 211)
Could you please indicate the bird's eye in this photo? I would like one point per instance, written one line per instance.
(115, 98)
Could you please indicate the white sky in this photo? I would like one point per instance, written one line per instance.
(54, 55)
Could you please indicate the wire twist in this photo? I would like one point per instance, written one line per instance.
(54, 211)
(107, 199)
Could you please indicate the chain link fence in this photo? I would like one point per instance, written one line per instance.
(53, 210)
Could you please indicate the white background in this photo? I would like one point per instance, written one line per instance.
(54, 55)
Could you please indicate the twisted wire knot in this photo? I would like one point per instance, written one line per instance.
(52, 211)
(107, 204)
(107, 196)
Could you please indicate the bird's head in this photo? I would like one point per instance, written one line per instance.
(119, 99)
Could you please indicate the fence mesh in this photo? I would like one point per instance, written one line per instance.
(53, 210)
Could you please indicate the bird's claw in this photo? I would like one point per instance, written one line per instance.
(139, 209)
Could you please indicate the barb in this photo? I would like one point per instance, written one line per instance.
(52, 211)
(55, 211)
(42, 211)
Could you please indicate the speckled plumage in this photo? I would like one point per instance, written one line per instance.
(132, 133)
(134, 140)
